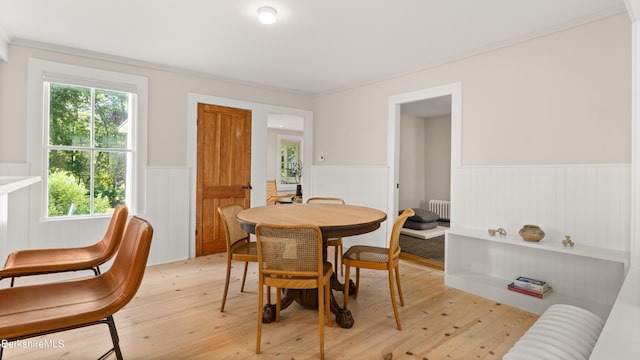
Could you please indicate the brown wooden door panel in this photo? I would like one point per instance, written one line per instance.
(224, 170)
(224, 192)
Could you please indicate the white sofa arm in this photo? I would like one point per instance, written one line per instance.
(562, 332)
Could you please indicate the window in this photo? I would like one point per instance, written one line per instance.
(91, 145)
(88, 149)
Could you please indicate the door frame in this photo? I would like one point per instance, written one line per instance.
(259, 116)
(393, 140)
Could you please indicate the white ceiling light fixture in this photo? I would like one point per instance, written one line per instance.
(267, 15)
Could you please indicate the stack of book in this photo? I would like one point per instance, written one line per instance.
(529, 286)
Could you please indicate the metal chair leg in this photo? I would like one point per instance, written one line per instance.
(114, 338)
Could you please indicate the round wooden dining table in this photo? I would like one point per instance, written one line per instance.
(334, 220)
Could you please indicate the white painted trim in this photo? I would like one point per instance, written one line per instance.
(623, 320)
(279, 139)
(259, 114)
(37, 69)
(635, 147)
(393, 139)
(4, 45)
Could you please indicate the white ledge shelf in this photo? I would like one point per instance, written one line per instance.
(584, 276)
(12, 183)
(550, 245)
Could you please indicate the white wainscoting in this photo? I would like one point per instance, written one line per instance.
(357, 185)
(168, 212)
(167, 193)
(18, 210)
(589, 202)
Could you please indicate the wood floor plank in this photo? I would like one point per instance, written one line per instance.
(176, 315)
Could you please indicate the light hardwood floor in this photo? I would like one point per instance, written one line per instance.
(176, 315)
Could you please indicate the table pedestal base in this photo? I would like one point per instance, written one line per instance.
(309, 298)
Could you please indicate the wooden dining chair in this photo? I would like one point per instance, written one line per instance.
(335, 242)
(272, 193)
(290, 257)
(45, 261)
(239, 246)
(378, 258)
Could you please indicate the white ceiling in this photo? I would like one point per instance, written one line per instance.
(316, 46)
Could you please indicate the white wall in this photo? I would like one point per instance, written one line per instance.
(168, 96)
(563, 98)
(357, 185)
(438, 158)
(425, 160)
(169, 146)
(559, 100)
(413, 167)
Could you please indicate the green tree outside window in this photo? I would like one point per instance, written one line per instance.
(88, 149)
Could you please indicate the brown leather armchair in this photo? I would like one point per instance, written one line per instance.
(29, 311)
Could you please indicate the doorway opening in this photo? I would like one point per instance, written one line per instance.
(424, 150)
(259, 138)
(223, 175)
(285, 151)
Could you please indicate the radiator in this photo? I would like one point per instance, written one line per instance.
(441, 208)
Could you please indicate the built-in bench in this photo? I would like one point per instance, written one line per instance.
(569, 332)
(482, 264)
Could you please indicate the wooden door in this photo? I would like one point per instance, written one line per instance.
(224, 171)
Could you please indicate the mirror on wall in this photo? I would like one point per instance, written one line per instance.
(289, 162)
(285, 151)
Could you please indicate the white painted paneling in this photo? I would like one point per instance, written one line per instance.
(357, 185)
(589, 202)
(17, 226)
(168, 212)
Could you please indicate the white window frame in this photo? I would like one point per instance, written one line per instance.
(41, 71)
